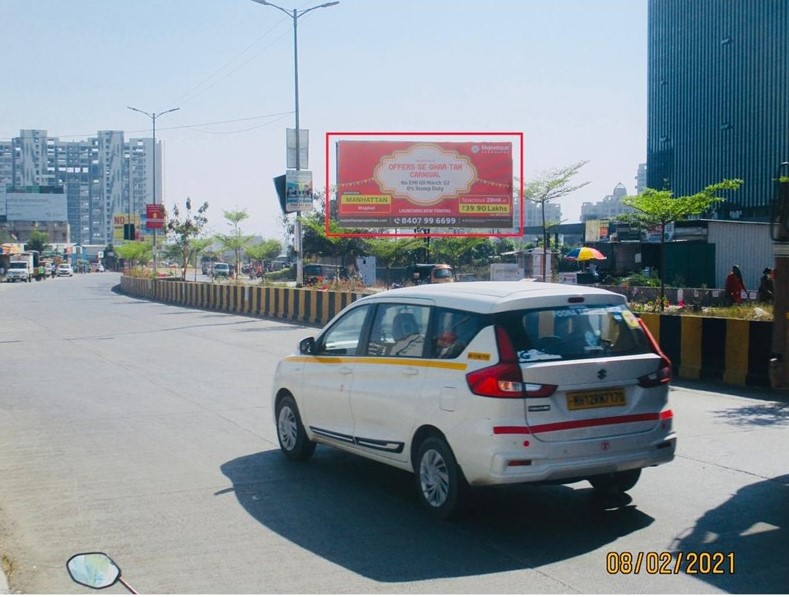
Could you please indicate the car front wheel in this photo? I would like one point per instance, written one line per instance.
(292, 438)
(440, 482)
(616, 482)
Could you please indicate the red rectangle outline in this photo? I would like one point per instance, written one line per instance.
(517, 234)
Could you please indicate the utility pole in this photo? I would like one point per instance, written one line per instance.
(779, 229)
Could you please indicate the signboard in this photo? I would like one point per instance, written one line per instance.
(407, 184)
(652, 235)
(154, 214)
(596, 230)
(304, 149)
(35, 206)
(298, 190)
(505, 272)
(118, 220)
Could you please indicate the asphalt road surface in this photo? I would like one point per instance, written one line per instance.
(144, 430)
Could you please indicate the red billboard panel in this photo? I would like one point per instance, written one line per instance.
(154, 214)
(413, 184)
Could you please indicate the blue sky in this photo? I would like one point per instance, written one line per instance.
(569, 74)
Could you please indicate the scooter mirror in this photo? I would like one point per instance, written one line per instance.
(95, 570)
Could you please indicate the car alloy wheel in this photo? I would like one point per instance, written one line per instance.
(287, 427)
(434, 478)
(290, 432)
(439, 480)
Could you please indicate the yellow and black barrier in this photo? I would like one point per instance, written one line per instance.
(307, 305)
(732, 350)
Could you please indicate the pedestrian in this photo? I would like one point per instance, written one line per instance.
(735, 286)
(766, 286)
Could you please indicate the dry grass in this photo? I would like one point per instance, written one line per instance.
(747, 311)
(7, 565)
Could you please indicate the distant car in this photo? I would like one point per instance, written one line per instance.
(64, 269)
(221, 270)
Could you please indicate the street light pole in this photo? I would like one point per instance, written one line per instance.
(153, 116)
(295, 15)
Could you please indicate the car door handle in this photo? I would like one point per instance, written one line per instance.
(410, 371)
(345, 370)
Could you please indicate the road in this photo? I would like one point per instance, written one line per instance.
(144, 430)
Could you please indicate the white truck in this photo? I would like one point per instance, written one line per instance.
(20, 268)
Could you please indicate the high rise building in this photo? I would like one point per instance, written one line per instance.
(102, 177)
(532, 214)
(609, 208)
(718, 83)
(641, 178)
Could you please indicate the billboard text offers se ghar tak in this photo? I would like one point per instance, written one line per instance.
(392, 184)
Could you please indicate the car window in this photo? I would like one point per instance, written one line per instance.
(440, 273)
(398, 330)
(452, 332)
(574, 332)
(344, 336)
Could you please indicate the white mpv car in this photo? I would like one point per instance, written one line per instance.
(483, 383)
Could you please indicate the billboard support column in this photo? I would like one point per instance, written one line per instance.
(779, 231)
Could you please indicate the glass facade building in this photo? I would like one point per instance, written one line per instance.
(718, 99)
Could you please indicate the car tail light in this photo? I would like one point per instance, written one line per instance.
(659, 377)
(504, 379)
(663, 373)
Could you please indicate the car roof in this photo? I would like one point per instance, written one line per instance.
(493, 297)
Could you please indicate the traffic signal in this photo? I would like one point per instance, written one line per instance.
(128, 232)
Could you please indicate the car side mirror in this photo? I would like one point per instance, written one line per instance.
(95, 570)
(307, 346)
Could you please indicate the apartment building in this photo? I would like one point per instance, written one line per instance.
(102, 177)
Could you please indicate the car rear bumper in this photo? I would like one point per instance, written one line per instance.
(526, 460)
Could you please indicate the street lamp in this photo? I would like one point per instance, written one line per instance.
(295, 15)
(153, 116)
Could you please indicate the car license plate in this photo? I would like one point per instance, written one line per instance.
(596, 399)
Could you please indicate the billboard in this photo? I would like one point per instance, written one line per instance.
(118, 221)
(298, 190)
(35, 206)
(154, 214)
(425, 184)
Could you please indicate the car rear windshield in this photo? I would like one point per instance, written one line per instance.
(574, 332)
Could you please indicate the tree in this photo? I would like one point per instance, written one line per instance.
(38, 241)
(549, 186)
(452, 250)
(236, 241)
(393, 252)
(268, 249)
(135, 251)
(316, 242)
(184, 232)
(657, 208)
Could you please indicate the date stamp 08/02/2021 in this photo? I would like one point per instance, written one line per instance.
(666, 562)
